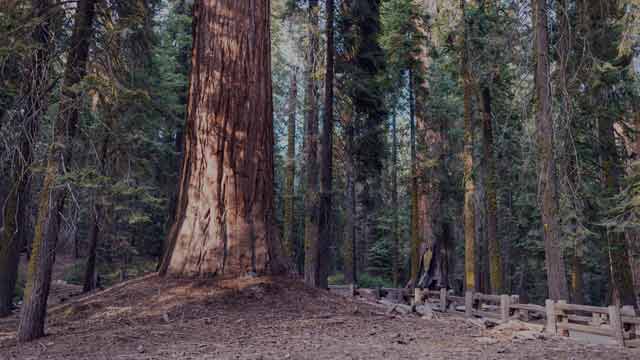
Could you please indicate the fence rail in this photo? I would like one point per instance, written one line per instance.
(622, 325)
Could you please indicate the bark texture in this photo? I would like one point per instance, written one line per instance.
(52, 195)
(311, 199)
(326, 158)
(548, 181)
(224, 219)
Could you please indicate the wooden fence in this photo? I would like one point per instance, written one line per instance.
(621, 325)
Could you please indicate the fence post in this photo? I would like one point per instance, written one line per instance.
(504, 307)
(616, 324)
(443, 299)
(417, 296)
(468, 304)
(551, 316)
(352, 289)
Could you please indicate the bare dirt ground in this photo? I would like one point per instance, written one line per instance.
(266, 318)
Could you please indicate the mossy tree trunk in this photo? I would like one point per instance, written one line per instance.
(15, 217)
(52, 195)
(224, 223)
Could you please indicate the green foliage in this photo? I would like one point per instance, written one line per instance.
(366, 280)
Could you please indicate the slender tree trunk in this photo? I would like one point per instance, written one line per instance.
(349, 249)
(311, 229)
(467, 158)
(548, 182)
(90, 275)
(224, 221)
(326, 159)
(52, 196)
(415, 226)
(15, 217)
(495, 258)
(289, 191)
(394, 203)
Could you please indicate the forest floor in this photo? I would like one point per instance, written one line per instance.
(266, 318)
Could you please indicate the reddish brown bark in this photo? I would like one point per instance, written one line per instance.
(224, 220)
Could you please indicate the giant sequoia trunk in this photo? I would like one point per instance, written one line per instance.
(52, 195)
(548, 182)
(224, 221)
(15, 218)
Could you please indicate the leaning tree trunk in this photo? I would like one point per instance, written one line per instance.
(224, 221)
(311, 199)
(52, 196)
(15, 218)
(556, 277)
(289, 190)
(326, 161)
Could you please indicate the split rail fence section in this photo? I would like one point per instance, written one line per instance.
(622, 325)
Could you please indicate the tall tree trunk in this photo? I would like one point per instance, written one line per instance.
(548, 182)
(395, 239)
(52, 196)
(415, 226)
(224, 221)
(289, 190)
(326, 159)
(311, 199)
(495, 258)
(569, 171)
(429, 138)
(349, 249)
(467, 158)
(15, 218)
